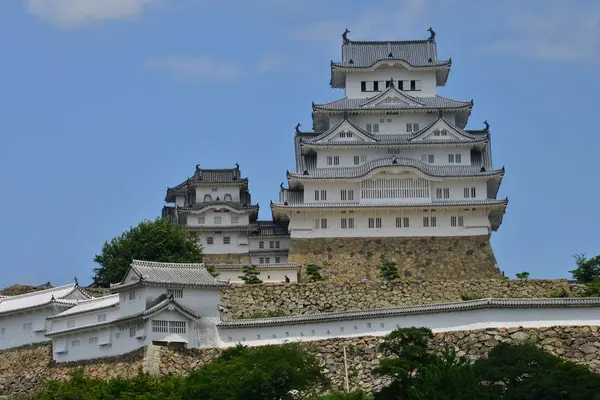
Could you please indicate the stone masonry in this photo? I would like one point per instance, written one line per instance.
(229, 258)
(351, 259)
(243, 301)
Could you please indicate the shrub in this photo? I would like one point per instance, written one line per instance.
(313, 273)
(522, 275)
(388, 270)
(250, 276)
(471, 296)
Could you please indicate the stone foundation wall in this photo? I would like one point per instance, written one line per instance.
(577, 344)
(24, 370)
(351, 259)
(243, 301)
(230, 258)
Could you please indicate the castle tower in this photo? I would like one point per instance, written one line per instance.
(390, 172)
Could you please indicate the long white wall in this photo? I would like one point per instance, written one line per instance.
(24, 328)
(354, 79)
(438, 322)
(203, 193)
(392, 124)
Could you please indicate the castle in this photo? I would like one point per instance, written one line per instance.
(389, 171)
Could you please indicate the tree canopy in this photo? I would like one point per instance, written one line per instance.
(158, 240)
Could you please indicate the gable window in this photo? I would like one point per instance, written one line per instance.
(234, 219)
(176, 293)
(356, 160)
(412, 127)
(101, 317)
(444, 132)
(210, 240)
(132, 294)
(226, 240)
(207, 197)
(470, 193)
(342, 134)
(261, 245)
(227, 197)
(363, 86)
(436, 132)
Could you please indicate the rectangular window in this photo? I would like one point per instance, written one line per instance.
(376, 86)
(402, 85)
(424, 157)
(317, 223)
(375, 128)
(452, 221)
(201, 220)
(323, 223)
(457, 221)
(356, 160)
(132, 332)
(217, 220)
(343, 194)
(446, 193)
(75, 343)
(430, 158)
(323, 195)
(461, 221)
(93, 341)
(177, 293)
(457, 158)
(369, 128)
(438, 193)
(451, 158)
(329, 160)
(28, 326)
(209, 240)
(272, 244)
(398, 222)
(406, 222)
(473, 193)
(425, 222)
(316, 195)
(442, 193)
(159, 327)
(261, 245)
(412, 127)
(336, 160)
(277, 244)
(342, 134)
(267, 260)
(277, 260)
(101, 317)
(226, 240)
(409, 128)
(344, 223)
(234, 219)
(261, 260)
(132, 295)
(363, 86)
(433, 222)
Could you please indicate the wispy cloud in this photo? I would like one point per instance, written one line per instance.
(70, 13)
(202, 68)
(558, 31)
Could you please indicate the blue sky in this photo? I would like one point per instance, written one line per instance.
(105, 103)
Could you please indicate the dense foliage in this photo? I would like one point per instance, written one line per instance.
(157, 240)
(588, 272)
(250, 275)
(414, 372)
(522, 275)
(313, 273)
(388, 270)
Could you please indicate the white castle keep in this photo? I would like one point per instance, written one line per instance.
(391, 159)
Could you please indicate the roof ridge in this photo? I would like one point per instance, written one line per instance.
(24, 295)
(169, 264)
(383, 42)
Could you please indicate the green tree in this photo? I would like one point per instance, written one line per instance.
(157, 240)
(388, 270)
(522, 275)
(587, 270)
(313, 272)
(259, 373)
(525, 372)
(250, 275)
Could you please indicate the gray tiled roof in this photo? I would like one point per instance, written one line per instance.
(362, 170)
(231, 228)
(417, 53)
(258, 266)
(200, 206)
(153, 272)
(269, 228)
(268, 251)
(428, 103)
(419, 309)
(207, 176)
(398, 139)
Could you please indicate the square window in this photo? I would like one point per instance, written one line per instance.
(210, 240)
(382, 120)
(217, 220)
(342, 134)
(261, 260)
(388, 120)
(277, 260)
(226, 240)
(201, 220)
